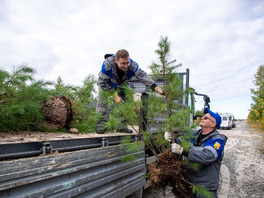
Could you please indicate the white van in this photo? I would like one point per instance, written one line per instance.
(233, 120)
(226, 121)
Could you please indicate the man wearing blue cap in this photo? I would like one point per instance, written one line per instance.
(207, 149)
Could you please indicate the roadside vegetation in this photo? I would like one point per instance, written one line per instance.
(256, 115)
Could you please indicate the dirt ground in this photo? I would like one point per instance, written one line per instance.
(30, 136)
(242, 170)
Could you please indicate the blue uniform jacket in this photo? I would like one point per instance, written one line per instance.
(208, 152)
(108, 78)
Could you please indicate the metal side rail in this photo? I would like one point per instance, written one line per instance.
(31, 149)
(98, 172)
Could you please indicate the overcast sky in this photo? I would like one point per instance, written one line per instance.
(221, 42)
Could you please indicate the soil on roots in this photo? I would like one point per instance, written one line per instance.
(170, 170)
(58, 112)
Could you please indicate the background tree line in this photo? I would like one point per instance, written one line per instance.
(256, 115)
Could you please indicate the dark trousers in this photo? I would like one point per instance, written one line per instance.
(104, 110)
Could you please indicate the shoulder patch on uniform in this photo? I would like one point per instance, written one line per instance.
(217, 145)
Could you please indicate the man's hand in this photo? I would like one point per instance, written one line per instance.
(159, 90)
(118, 99)
(168, 136)
(176, 148)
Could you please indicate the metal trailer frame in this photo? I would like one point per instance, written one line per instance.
(97, 172)
(158, 120)
(141, 88)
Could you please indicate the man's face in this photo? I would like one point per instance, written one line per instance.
(208, 121)
(123, 63)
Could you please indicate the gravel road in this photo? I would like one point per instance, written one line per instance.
(242, 170)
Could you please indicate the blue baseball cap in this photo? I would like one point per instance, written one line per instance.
(215, 115)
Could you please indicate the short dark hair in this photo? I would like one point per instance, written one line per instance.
(121, 54)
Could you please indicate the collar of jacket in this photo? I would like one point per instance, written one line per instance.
(208, 136)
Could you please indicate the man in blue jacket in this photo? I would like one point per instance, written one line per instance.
(117, 70)
(207, 150)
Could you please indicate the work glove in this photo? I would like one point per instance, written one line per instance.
(168, 136)
(176, 148)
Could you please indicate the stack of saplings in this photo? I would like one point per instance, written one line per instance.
(27, 104)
